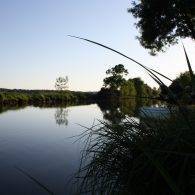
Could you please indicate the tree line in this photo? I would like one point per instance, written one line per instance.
(117, 86)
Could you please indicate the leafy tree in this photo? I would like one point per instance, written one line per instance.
(184, 79)
(182, 85)
(61, 83)
(128, 89)
(140, 87)
(116, 78)
(162, 22)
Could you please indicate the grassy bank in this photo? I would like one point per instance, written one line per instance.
(34, 97)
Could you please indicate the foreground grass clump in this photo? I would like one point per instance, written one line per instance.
(150, 156)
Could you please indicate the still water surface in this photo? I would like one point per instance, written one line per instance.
(37, 140)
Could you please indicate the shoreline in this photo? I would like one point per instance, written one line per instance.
(41, 97)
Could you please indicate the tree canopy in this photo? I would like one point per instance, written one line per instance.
(116, 77)
(184, 79)
(182, 84)
(182, 88)
(162, 22)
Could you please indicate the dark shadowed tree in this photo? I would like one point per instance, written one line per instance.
(116, 77)
(162, 22)
(184, 79)
(182, 86)
(140, 87)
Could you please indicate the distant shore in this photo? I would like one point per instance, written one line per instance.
(37, 97)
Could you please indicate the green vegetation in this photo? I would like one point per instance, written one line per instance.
(116, 87)
(184, 79)
(116, 78)
(182, 87)
(137, 88)
(128, 89)
(146, 156)
(161, 23)
(33, 97)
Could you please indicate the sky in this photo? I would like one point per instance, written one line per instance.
(35, 48)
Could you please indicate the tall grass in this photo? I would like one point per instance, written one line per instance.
(153, 156)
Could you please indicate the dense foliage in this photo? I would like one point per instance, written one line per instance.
(182, 86)
(116, 77)
(161, 23)
(131, 88)
(128, 89)
(20, 97)
(184, 79)
(116, 86)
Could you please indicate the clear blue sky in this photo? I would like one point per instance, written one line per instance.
(34, 48)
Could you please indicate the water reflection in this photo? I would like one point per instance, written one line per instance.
(34, 143)
(111, 111)
(116, 111)
(8, 108)
(61, 115)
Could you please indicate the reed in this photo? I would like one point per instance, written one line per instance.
(150, 156)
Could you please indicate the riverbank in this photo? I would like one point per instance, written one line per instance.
(36, 97)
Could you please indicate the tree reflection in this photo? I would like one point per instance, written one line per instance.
(111, 111)
(116, 111)
(61, 115)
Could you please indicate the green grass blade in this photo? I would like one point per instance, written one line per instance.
(161, 75)
(188, 62)
(101, 45)
(190, 70)
(156, 80)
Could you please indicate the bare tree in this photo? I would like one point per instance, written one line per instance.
(61, 83)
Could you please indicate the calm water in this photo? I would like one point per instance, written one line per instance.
(37, 140)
